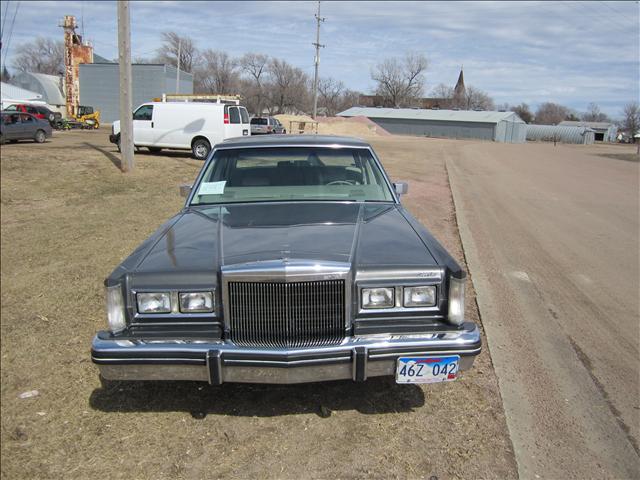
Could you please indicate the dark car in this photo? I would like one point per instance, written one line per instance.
(266, 125)
(38, 111)
(23, 126)
(293, 260)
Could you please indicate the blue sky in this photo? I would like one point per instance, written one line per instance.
(567, 52)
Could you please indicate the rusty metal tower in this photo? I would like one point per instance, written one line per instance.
(75, 53)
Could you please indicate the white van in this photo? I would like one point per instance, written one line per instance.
(185, 126)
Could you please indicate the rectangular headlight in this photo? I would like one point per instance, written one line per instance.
(115, 309)
(155, 302)
(422, 296)
(196, 302)
(456, 300)
(378, 298)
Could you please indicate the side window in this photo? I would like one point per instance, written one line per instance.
(145, 112)
(244, 115)
(32, 110)
(27, 119)
(234, 116)
(11, 108)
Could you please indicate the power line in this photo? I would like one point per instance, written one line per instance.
(624, 15)
(13, 21)
(596, 17)
(4, 21)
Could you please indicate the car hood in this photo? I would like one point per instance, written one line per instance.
(200, 240)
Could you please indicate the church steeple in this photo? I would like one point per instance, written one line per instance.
(460, 90)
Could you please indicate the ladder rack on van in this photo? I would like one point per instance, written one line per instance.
(178, 97)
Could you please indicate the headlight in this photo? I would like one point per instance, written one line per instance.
(115, 309)
(378, 298)
(156, 302)
(196, 302)
(423, 296)
(456, 300)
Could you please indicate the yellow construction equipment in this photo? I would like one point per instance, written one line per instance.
(88, 117)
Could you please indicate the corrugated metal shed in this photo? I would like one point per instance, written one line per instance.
(485, 125)
(604, 131)
(561, 133)
(100, 85)
(13, 92)
(424, 114)
(49, 86)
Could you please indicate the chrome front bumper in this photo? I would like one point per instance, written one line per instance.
(356, 358)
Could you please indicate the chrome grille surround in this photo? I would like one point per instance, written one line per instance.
(286, 303)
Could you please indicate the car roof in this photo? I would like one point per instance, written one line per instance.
(293, 141)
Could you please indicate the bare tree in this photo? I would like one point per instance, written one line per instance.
(442, 91)
(523, 112)
(255, 67)
(42, 55)
(348, 99)
(168, 52)
(631, 120)
(330, 93)
(477, 99)
(593, 114)
(288, 88)
(551, 113)
(217, 73)
(400, 82)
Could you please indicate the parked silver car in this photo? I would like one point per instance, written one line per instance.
(266, 125)
(23, 126)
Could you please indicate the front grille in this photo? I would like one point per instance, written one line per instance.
(300, 314)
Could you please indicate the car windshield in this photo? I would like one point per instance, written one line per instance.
(292, 173)
(258, 121)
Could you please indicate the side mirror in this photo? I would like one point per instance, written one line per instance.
(185, 190)
(401, 188)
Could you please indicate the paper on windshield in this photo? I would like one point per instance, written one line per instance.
(211, 188)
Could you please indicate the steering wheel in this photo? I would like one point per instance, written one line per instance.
(342, 182)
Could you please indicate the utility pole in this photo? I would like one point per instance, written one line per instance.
(319, 20)
(178, 64)
(124, 59)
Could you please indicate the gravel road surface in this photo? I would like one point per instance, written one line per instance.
(551, 239)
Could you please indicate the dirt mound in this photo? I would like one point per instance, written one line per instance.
(355, 126)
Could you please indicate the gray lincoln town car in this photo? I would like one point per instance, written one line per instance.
(292, 261)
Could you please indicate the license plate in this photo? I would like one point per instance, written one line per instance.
(427, 369)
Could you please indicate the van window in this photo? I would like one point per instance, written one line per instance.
(244, 115)
(234, 116)
(145, 112)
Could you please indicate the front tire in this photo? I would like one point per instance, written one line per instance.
(200, 148)
(40, 136)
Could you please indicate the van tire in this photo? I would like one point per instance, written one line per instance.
(154, 149)
(40, 136)
(200, 148)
